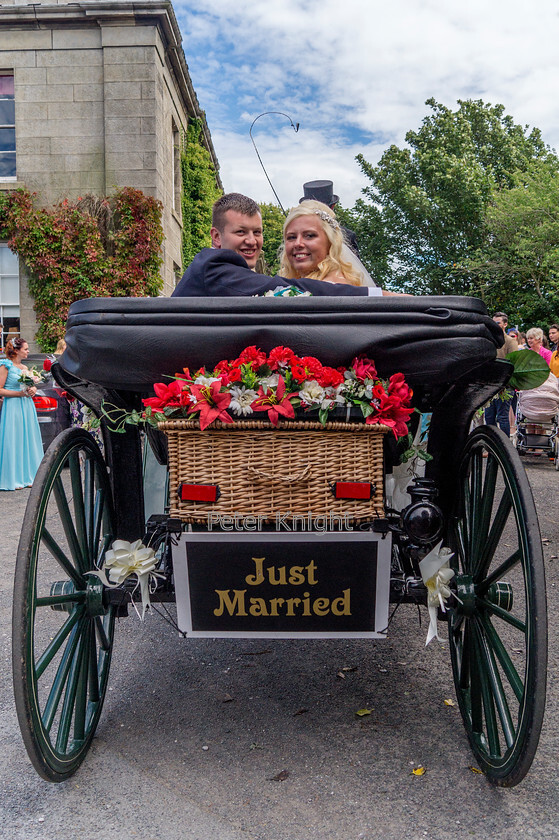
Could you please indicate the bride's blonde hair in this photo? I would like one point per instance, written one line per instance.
(333, 262)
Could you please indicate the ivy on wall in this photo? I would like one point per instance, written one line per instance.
(94, 247)
(199, 191)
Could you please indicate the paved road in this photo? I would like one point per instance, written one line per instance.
(194, 731)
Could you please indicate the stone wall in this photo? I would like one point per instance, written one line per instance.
(100, 89)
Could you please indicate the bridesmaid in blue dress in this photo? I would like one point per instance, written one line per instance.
(21, 447)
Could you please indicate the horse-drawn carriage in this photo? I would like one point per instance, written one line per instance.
(251, 577)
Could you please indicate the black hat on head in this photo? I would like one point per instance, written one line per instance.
(320, 191)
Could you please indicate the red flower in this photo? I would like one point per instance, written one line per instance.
(312, 365)
(47, 364)
(330, 377)
(210, 403)
(275, 404)
(364, 368)
(389, 411)
(281, 356)
(252, 356)
(399, 388)
(299, 373)
(166, 395)
(185, 375)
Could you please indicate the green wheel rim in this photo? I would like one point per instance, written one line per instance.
(62, 627)
(498, 633)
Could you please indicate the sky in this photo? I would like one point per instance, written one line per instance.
(355, 75)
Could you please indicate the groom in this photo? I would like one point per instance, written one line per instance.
(227, 268)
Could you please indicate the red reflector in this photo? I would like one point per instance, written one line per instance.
(353, 489)
(44, 403)
(199, 492)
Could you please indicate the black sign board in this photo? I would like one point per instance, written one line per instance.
(282, 585)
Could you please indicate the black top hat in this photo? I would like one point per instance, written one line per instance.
(320, 191)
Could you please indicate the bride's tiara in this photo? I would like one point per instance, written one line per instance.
(326, 217)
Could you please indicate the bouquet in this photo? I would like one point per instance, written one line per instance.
(31, 377)
(280, 385)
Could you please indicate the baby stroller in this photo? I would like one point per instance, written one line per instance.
(537, 420)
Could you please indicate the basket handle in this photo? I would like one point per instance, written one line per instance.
(286, 479)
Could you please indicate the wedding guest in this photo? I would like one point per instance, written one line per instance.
(534, 337)
(21, 447)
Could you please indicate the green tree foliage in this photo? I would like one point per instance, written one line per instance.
(199, 192)
(272, 225)
(94, 247)
(427, 202)
(518, 265)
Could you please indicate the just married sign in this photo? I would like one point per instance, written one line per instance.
(282, 585)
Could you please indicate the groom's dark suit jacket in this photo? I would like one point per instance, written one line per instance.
(223, 273)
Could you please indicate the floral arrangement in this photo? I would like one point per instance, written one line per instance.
(277, 384)
(32, 377)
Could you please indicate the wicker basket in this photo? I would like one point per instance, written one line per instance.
(266, 472)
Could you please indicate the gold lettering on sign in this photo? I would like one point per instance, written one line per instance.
(226, 603)
(236, 605)
(280, 576)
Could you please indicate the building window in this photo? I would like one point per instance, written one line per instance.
(9, 294)
(7, 127)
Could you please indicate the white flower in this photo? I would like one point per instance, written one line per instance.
(241, 399)
(333, 396)
(312, 393)
(206, 380)
(268, 382)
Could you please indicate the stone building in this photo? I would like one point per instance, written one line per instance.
(93, 95)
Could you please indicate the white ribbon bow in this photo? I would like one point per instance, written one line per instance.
(124, 559)
(436, 574)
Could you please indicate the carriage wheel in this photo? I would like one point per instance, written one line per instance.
(498, 634)
(62, 628)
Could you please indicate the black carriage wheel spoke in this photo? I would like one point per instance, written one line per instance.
(98, 523)
(93, 667)
(80, 706)
(487, 698)
(60, 556)
(476, 479)
(505, 660)
(68, 525)
(507, 617)
(102, 636)
(59, 682)
(69, 701)
(52, 649)
(499, 572)
(498, 692)
(79, 505)
(488, 497)
(495, 533)
(89, 505)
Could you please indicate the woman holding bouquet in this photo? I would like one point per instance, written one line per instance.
(21, 448)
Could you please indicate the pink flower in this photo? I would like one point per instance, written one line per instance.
(389, 411)
(275, 404)
(210, 403)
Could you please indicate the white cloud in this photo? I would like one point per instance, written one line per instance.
(360, 65)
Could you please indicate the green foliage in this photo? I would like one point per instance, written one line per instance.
(428, 202)
(95, 247)
(517, 267)
(272, 225)
(530, 370)
(199, 192)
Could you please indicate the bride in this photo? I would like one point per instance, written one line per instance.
(314, 246)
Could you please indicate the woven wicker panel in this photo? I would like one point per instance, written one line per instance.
(264, 472)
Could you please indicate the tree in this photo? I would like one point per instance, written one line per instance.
(429, 200)
(272, 225)
(199, 191)
(518, 265)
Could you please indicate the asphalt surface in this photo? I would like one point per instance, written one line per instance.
(193, 733)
